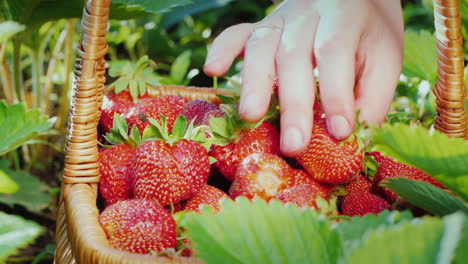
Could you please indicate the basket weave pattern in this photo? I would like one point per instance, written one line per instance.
(80, 238)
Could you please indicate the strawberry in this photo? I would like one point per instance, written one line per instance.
(300, 177)
(139, 226)
(329, 160)
(389, 168)
(261, 175)
(209, 196)
(196, 109)
(170, 106)
(360, 200)
(174, 167)
(114, 104)
(304, 195)
(115, 168)
(262, 139)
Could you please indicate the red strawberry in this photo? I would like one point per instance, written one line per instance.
(389, 168)
(260, 175)
(360, 200)
(304, 195)
(115, 168)
(170, 173)
(196, 109)
(329, 160)
(209, 196)
(263, 139)
(114, 104)
(175, 166)
(300, 177)
(170, 106)
(139, 226)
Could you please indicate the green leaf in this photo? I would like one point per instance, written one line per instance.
(261, 232)
(15, 233)
(444, 158)
(7, 185)
(34, 13)
(180, 67)
(32, 194)
(8, 29)
(426, 240)
(420, 55)
(20, 125)
(353, 232)
(426, 196)
(121, 84)
(461, 255)
(150, 6)
(197, 6)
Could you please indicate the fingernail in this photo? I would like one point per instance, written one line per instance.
(292, 139)
(339, 127)
(248, 103)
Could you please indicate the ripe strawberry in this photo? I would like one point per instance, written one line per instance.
(116, 178)
(300, 177)
(262, 139)
(114, 104)
(304, 195)
(170, 173)
(389, 168)
(329, 160)
(261, 175)
(209, 196)
(196, 109)
(170, 106)
(173, 168)
(360, 200)
(139, 226)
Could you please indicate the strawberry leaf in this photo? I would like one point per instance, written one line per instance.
(440, 156)
(32, 194)
(20, 125)
(16, 232)
(261, 232)
(426, 196)
(420, 56)
(353, 232)
(425, 240)
(7, 185)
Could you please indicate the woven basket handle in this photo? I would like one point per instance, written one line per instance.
(450, 87)
(81, 161)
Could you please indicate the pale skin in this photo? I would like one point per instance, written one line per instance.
(356, 45)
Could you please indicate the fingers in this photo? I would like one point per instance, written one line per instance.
(379, 79)
(225, 48)
(335, 51)
(258, 71)
(296, 83)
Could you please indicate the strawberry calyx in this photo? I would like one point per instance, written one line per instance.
(181, 130)
(231, 127)
(119, 133)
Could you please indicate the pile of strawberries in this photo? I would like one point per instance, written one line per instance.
(168, 154)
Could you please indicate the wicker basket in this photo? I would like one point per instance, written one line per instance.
(79, 236)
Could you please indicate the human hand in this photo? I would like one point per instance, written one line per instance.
(357, 47)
